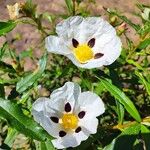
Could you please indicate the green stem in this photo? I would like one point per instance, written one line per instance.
(74, 7)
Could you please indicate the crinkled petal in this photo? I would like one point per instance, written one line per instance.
(88, 101)
(84, 29)
(66, 29)
(111, 51)
(68, 93)
(56, 45)
(42, 115)
(70, 140)
(89, 124)
(94, 63)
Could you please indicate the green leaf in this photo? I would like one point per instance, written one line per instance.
(126, 139)
(27, 53)
(6, 27)
(2, 50)
(11, 136)
(30, 79)
(69, 6)
(122, 98)
(144, 44)
(146, 136)
(2, 91)
(47, 145)
(136, 64)
(6, 67)
(120, 112)
(15, 117)
(125, 19)
(30, 9)
(143, 81)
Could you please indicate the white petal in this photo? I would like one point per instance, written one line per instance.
(56, 45)
(111, 50)
(42, 115)
(70, 140)
(93, 107)
(66, 29)
(83, 29)
(89, 124)
(114, 53)
(88, 101)
(94, 63)
(68, 93)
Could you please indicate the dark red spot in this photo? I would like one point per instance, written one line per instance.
(75, 43)
(91, 42)
(62, 133)
(98, 55)
(54, 119)
(78, 130)
(81, 114)
(67, 107)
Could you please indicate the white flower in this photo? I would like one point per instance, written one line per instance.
(88, 42)
(13, 11)
(69, 115)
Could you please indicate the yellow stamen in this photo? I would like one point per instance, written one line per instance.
(69, 121)
(83, 53)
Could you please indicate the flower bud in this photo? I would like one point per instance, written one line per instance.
(121, 28)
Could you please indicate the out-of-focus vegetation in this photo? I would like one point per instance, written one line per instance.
(124, 86)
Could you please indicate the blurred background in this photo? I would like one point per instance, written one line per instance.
(25, 37)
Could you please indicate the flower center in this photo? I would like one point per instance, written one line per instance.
(83, 53)
(69, 121)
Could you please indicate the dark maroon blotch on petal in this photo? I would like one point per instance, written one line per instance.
(75, 43)
(67, 107)
(54, 119)
(91, 42)
(62, 133)
(78, 130)
(81, 114)
(98, 55)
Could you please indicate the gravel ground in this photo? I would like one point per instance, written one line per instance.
(29, 37)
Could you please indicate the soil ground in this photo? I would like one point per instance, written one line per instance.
(29, 37)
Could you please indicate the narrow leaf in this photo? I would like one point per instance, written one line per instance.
(2, 50)
(126, 139)
(146, 136)
(122, 98)
(47, 145)
(6, 27)
(11, 136)
(125, 19)
(30, 79)
(144, 44)
(6, 67)
(143, 81)
(69, 6)
(15, 117)
(2, 91)
(120, 112)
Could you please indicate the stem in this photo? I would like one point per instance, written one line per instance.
(35, 22)
(122, 126)
(74, 7)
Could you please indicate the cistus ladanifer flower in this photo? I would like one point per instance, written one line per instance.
(88, 42)
(69, 115)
